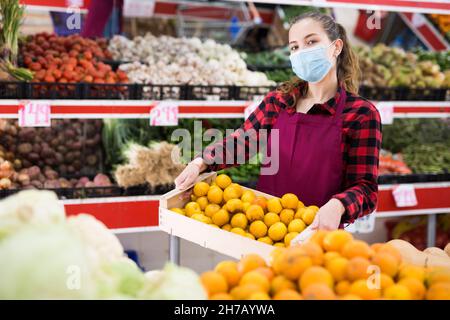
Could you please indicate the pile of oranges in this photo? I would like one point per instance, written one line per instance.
(331, 265)
(226, 205)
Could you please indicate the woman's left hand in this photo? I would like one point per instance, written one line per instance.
(329, 216)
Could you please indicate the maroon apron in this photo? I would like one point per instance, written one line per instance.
(310, 156)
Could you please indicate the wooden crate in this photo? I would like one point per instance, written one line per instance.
(202, 234)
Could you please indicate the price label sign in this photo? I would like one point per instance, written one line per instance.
(386, 110)
(404, 195)
(138, 8)
(34, 114)
(364, 224)
(165, 113)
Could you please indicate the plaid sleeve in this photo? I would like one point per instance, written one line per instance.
(362, 155)
(237, 148)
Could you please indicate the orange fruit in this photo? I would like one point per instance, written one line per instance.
(257, 278)
(336, 240)
(280, 283)
(202, 202)
(350, 297)
(270, 218)
(286, 216)
(221, 218)
(178, 210)
(215, 195)
(361, 289)
(318, 291)
(388, 248)
(415, 287)
(356, 248)
(232, 192)
(254, 212)
(376, 246)
(289, 201)
(235, 205)
(192, 208)
(296, 225)
(279, 244)
(248, 196)
(249, 235)
(287, 294)
(221, 296)
(265, 271)
(229, 270)
(288, 238)
(314, 251)
(245, 206)
(308, 215)
(300, 204)
(358, 268)
(227, 227)
(259, 296)
(318, 237)
(437, 275)
(201, 189)
(260, 201)
(274, 205)
(244, 292)
(387, 263)
(342, 287)
(258, 229)
(292, 263)
(338, 268)
(193, 197)
(223, 181)
(410, 271)
(330, 255)
(201, 217)
(239, 220)
(299, 213)
(277, 231)
(385, 281)
(214, 282)
(266, 240)
(239, 231)
(250, 262)
(211, 209)
(397, 292)
(315, 275)
(439, 291)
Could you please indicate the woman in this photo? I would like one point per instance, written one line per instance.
(330, 138)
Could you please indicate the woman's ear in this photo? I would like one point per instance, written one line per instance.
(338, 48)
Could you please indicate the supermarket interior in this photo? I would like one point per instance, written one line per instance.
(93, 95)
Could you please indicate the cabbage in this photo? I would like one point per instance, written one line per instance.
(173, 283)
(45, 262)
(29, 207)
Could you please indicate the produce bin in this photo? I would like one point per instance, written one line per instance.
(160, 92)
(12, 90)
(216, 239)
(210, 92)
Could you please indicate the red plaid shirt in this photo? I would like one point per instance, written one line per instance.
(361, 143)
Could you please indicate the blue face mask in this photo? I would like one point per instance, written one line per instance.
(311, 65)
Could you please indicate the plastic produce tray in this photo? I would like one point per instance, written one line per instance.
(12, 90)
(160, 92)
(211, 92)
(250, 93)
(403, 94)
(216, 239)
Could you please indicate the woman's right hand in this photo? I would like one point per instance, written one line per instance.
(188, 176)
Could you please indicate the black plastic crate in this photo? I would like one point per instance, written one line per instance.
(109, 91)
(213, 93)
(50, 90)
(413, 178)
(160, 92)
(403, 94)
(250, 93)
(12, 90)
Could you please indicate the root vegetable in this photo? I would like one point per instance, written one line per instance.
(17, 164)
(91, 160)
(34, 172)
(101, 180)
(24, 148)
(5, 183)
(33, 156)
(90, 184)
(23, 179)
(51, 174)
(37, 184)
(52, 184)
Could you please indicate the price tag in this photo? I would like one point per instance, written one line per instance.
(165, 113)
(34, 114)
(138, 8)
(386, 110)
(364, 224)
(404, 195)
(74, 3)
(252, 106)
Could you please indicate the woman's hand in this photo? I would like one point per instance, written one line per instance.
(329, 216)
(190, 174)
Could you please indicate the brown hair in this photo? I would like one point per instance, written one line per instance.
(348, 71)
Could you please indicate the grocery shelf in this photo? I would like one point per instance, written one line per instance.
(55, 5)
(425, 30)
(140, 213)
(425, 6)
(102, 109)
